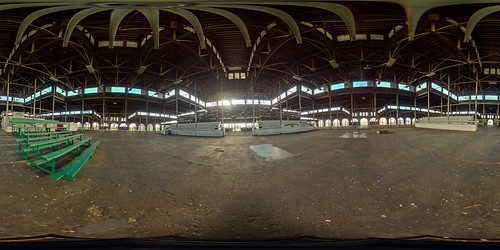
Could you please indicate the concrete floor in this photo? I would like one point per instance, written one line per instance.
(326, 183)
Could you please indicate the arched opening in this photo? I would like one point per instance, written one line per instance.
(95, 126)
(86, 126)
(328, 123)
(413, 121)
(150, 127)
(382, 121)
(105, 125)
(320, 123)
(401, 121)
(345, 122)
(355, 121)
(132, 127)
(408, 121)
(123, 126)
(363, 122)
(373, 121)
(336, 123)
(392, 121)
(157, 127)
(490, 122)
(114, 126)
(141, 127)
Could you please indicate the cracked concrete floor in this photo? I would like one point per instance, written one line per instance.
(331, 183)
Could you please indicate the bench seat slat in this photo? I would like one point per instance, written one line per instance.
(75, 165)
(61, 152)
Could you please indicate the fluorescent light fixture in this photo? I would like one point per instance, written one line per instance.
(141, 70)
(431, 74)
(391, 62)
(334, 64)
(298, 78)
(90, 69)
(54, 79)
(234, 68)
(177, 82)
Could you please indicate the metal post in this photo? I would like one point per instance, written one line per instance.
(147, 110)
(397, 108)
(83, 106)
(448, 106)
(34, 100)
(8, 94)
(65, 111)
(375, 107)
(352, 109)
(428, 100)
(126, 110)
(53, 100)
(195, 111)
(299, 90)
(475, 102)
(103, 106)
(177, 107)
(415, 108)
(330, 107)
(279, 99)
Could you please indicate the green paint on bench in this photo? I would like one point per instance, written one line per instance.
(50, 158)
(35, 147)
(75, 165)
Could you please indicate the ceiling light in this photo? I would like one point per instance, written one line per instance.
(391, 62)
(90, 69)
(298, 78)
(177, 82)
(431, 74)
(141, 70)
(334, 64)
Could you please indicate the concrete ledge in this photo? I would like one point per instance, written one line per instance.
(456, 127)
(205, 129)
(289, 127)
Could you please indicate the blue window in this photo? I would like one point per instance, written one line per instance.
(152, 93)
(404, 87)
(28, 98)
(486, 97)
(61, 91)
(319, 90)
(463, 98)
(47, 90)
(134, 91)
(37, 94)
(91, 90)
(17, 99)
(118, 90)
(337, 86)
(72, 92)
(305, 89)
(383, 84)
(436, 87)
(3, 98)
(454, 97)
(422, 86)
(360, 84)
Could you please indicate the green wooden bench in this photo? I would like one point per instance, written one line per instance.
(45, 136)
(75, 165)
(36, 146)
(50, 158)
(31, 135)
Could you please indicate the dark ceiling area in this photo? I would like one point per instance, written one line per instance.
(154, 44)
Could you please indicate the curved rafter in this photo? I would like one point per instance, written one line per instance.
(342, 11)
(476, 17)
(76, 19)
(114, 22)
(191, 18)
(153, 17)
(232, 17)
(278, 13)
(37, 14)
